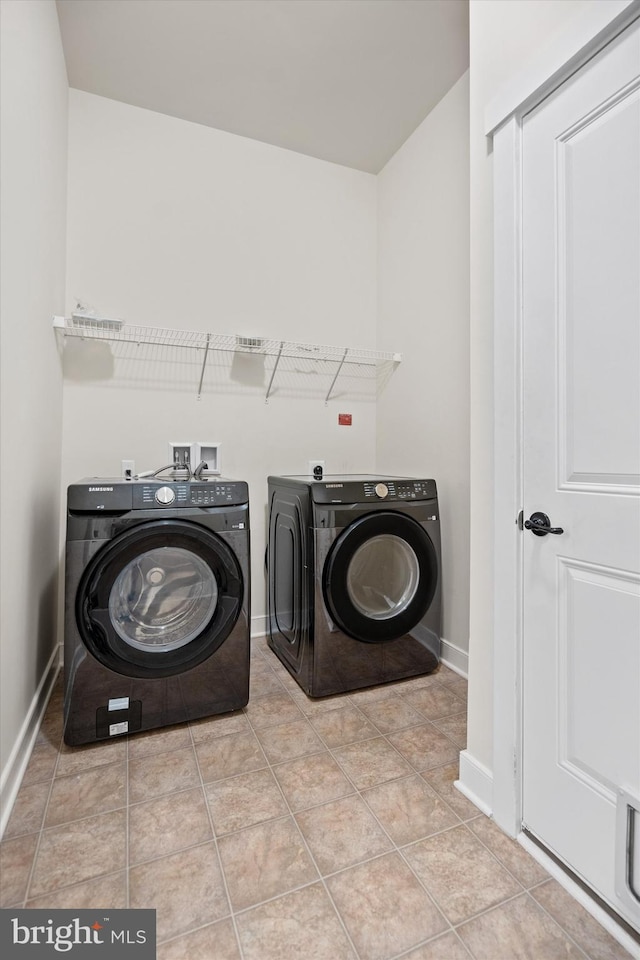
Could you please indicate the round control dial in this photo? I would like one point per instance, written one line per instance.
(165, 495)
(382, 490)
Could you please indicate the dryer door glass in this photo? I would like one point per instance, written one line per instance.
(383, 576)
(163, 599)
(380, 576)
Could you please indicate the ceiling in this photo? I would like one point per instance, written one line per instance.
(342, 80)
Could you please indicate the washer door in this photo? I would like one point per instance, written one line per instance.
(380, 577)
(159, 599)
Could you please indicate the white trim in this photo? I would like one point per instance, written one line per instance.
(455, 658)
(475, 782)
(259, 627)
(608, 18)
(14, 770)
(559, 59)
(579, 893)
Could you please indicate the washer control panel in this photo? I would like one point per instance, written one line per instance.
(97, 495)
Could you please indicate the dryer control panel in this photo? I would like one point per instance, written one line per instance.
(364, 490)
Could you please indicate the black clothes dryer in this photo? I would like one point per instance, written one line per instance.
(354, 579)
(156, 604)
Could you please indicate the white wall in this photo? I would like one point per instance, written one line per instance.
(33, 162)
(502, 37)
(423, 300)
(172, 224)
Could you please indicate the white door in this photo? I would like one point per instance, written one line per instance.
(581, 282)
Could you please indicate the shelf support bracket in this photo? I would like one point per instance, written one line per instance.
(337, 374)
(204, 363)
(273, 372)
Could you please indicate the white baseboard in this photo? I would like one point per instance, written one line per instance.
(476, 782)
(455, 658)
(259, 626)
(578, 893)
(16, 765)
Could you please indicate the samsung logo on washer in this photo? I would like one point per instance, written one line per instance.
(334, 486)
(100, 489)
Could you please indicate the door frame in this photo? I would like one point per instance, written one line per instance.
(587, 34)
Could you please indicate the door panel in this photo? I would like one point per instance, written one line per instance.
(581, 282)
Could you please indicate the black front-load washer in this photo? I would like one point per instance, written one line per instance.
(354, 579)
(156, 604)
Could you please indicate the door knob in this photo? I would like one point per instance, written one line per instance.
(540, 525)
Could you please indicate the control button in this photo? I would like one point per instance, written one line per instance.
(382, 490)
(165, 495)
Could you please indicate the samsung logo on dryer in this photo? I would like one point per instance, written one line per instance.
(100, 489)
(334, 486)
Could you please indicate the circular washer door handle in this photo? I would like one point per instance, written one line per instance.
(540, 525)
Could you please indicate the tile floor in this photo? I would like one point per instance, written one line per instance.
(322, 830)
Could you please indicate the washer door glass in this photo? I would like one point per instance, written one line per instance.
(383, 576)
(163, 599)
(160, 598)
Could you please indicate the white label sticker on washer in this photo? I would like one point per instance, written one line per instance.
(116, 728)
(119, 703)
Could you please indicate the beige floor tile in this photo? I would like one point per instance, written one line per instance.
(98, 790)
(267, 711)
(220, 726)
(161, 740)
(79, 851)
(16, 860)
(344, 725)
(308, 781)
(460, 873)
(392, 714)
(80, 759)
(596, 942)
(435, 701)
(108, 893)
(370, 762)
(186, 889)
(517, 930)
(409, 809)
(244, 800)
(227, 756)
(265, 861)
(454, 727)
(311, 707)
(342, 833)
(442, 779)
(446, 947)
(372, 694)
(168, 824)
(42, 763)
(459, 687)
(384, 907)
(509, 852)
(28, 811)
(424, 747)
(157, 774)
(264, 684)
(217, 941)
(302, 924)
(286, 741)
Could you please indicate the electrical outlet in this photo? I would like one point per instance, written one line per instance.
(316, 469)
(128, 469)
(180, 454)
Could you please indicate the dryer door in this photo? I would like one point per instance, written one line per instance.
(159, 599)
(380, 576)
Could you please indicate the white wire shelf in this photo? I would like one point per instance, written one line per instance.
(116, 331)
